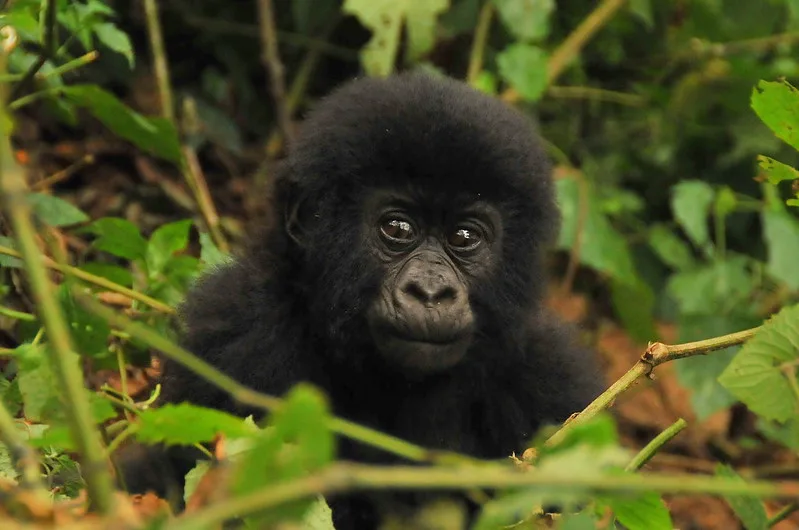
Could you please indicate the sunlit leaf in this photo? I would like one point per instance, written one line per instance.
(386, 18)
(165, 241)
(757, 377)
(115, 39)
(54, 211)
(118, 237)
(781, 232)
(525, 67)
(185, 424)
(643, 511)
(777, 104)
(776, 171)
(691, 201)
(527, 20)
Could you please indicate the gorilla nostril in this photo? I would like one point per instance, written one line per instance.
(429, 292)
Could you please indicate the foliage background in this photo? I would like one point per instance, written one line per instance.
(669, 232)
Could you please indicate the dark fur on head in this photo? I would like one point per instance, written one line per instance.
(292, 308)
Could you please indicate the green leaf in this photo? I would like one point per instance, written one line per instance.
(165, 242)
(776, 171)
(634, 304)
(155, 135)
(755, 376)
(9, 261)
(672, 250)
(386, 19)
(579, 521)
(210, 255)
(777, 104)
(781, 231)
(298, 442)
(726, 201)
(186, 424)
(749, 510)
(115, 39)
(786, 433)
(89, 332)
(691, 201)
(643, 10)
(525, 68)
(37, 383)
(54, 211)
(645, 511)
(318, 517)
(527, 20)
(10, 396)
(712, 288)
(118, 237)
(602, 246)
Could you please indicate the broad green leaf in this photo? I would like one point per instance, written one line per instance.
(298, 441)
(756, 377)
(9, 261)
(118, 237)
(524, 67)
(749, 510)
(486, 82)
(386, 19)
(37, 383)
(155, 135)
(10, 396)
(672, 250)
(699, 373)
(186, 424)
(578, 521)
(691, 201)
(89, 332)
(645, 511)
(527, 20)
(165, 242)
(509, 509)
(115, 39)
(210, 255)
(643, 10)
(634, 303)
(781, 232)
(786, 433)
(776, 171)
(602, 246)
(710, 289)
(777, 104)
(54, 211)
(318, 517)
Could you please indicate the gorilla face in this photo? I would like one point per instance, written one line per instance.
(421, 319)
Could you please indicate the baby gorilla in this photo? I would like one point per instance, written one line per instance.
(402, 273)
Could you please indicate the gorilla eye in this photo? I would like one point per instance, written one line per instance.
(397, 230)
(464, 239)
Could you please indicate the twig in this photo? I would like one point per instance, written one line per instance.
(17, 315)
(270, 57)
(48, 47)
(199, 187)
(655, 355)
(783, 514)
(570, 48)
(596, 94)
(64, 360)
(649, 450)
(98, 281)
(341, 477)
(158, 50)
(479, 43)
(249, 397)
(24, 457)
(63, 174)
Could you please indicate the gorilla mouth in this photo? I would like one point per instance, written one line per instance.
(423, 352)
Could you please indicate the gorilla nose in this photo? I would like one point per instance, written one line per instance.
(430, 292)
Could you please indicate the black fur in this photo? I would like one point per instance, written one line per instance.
(286, 312)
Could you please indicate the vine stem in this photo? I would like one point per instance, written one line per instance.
(562, 57)
(646, 454)
(480, 40)
(270, 56)
(656, 354)
(48, 48)
(99, 281)
(341, 477)
(64, 360)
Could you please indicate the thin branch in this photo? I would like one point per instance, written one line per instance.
(199, 187)
(17, 315)
(783, 514)
(158, 50)
(270, 57)
(347, 477)
(655, 355)
(650, 449)
(63, 174)
(99, 281)
(47, 51)
(596, 94)
(570, 48)
(64, 360)
(480, 40)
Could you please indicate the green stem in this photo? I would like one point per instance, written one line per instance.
(646, 454)
(342, 477)
(480, 40)
(783, 514)
(48, 48)
(99, 281)
(160, 63)
(17, 315)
